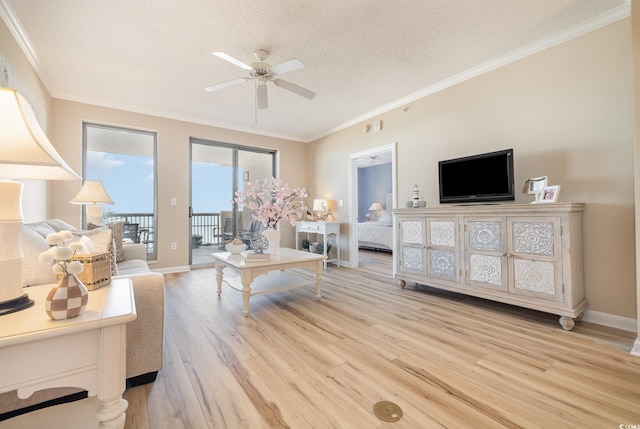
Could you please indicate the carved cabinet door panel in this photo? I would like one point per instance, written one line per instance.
(485, 252)
(412, 245)
(443, 245)
(535, 252)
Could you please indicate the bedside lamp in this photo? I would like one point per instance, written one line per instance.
(25, 153)
(91, 194)
(376, 208)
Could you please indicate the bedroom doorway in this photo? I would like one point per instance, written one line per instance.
(370, 173)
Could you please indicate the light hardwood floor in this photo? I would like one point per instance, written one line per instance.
(446, 360)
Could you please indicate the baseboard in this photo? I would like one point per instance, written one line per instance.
(636, 347)
(171, 270)
(611, 320)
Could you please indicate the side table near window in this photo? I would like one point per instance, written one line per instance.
(325, 229)
(88, 351)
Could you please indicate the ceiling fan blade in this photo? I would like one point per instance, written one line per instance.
(233, 60)
(261, 96)
(287, 66)
(226, 84)
(294, 88)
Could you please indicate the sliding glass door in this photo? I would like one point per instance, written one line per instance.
(218, 170)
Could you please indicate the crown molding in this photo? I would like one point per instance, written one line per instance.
(577, 30)
(16, 29)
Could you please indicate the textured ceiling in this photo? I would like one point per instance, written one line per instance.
(361, 56)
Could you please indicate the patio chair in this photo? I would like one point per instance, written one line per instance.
(251, 232)
(131, 232)
(145, 236)
(227, 233)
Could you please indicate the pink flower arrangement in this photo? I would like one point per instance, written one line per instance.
(271, 201)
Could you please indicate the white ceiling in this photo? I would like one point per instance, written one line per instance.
(362, 57)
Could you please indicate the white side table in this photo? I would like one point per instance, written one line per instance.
(324, 229)
(88, 351)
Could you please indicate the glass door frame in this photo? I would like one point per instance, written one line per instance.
(236, 149)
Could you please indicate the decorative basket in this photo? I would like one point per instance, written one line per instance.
(96, 272)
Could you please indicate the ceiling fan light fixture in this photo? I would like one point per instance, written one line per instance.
(261, 54)
(262, 101)
(261, 73)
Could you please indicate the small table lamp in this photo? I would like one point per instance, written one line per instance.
(321, 210)
(25, 153)
(376, 208)
(320, 205)
(91, 194)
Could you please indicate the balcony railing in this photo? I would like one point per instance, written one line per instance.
(205, 228)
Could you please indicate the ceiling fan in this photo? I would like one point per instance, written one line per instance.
(261, 73)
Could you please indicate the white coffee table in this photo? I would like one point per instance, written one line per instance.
(258, 277)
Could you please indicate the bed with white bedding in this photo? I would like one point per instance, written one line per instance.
(376, 235)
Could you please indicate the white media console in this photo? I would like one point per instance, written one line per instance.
(529, 255)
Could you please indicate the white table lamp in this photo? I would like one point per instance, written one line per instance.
(91, 194)
(320, 205)
(321, 210)
(25, 153)
(376, 208)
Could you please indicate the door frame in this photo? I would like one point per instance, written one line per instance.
(353, 194)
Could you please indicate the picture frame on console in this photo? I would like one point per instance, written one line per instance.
(535, 186)
(550, 194)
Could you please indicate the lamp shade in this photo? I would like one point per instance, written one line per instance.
(25, 153)
(320, 205)
(376, 207)
(92, 192)
(25, 150)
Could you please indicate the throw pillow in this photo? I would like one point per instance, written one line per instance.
(385, 218)
(117, 229)
(60, 225)
(114, 266)
(34, 272)
(41, 228)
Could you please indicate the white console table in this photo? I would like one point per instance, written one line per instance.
(324, 229)
(88, 351)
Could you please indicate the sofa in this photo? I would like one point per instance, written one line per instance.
(144, 335)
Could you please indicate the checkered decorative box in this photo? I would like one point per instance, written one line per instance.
(97, 270)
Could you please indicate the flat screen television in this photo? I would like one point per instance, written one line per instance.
(486, 177)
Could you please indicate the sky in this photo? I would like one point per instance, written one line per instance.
(128, 179)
